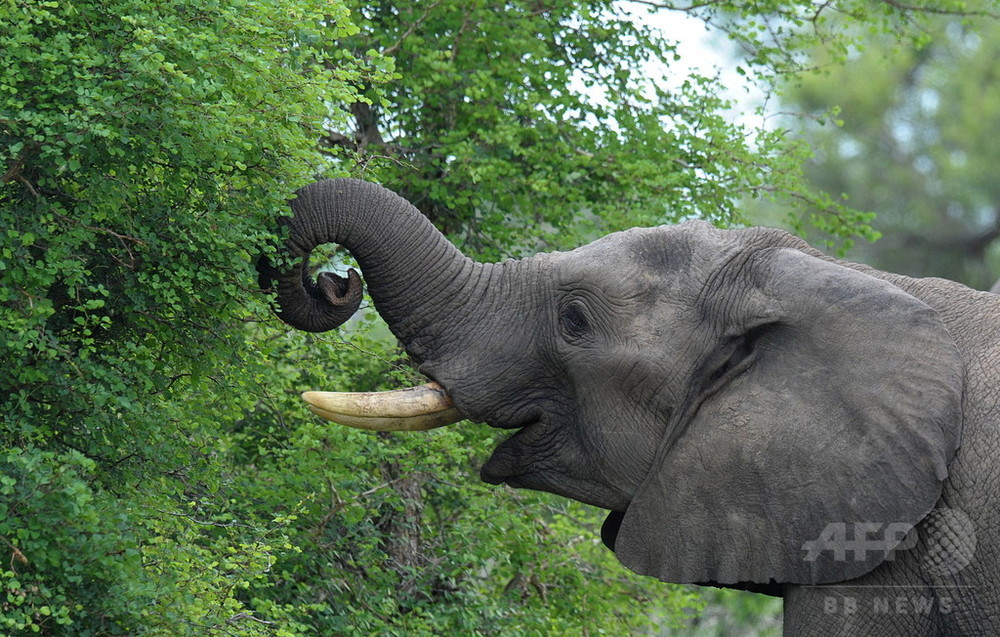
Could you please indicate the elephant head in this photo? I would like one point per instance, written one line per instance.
(724, 394)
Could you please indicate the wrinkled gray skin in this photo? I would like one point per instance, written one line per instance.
(741, 404)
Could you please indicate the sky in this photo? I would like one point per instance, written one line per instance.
(701, 50)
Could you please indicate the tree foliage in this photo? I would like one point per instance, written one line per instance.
(902, 133)
(157, 472)
(536, 126)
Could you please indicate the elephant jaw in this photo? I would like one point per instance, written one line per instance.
(413, 409)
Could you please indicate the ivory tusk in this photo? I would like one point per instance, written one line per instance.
(414, 409)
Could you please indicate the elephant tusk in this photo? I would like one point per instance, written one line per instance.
(414, 409)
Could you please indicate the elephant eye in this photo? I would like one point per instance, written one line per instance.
(573, 320)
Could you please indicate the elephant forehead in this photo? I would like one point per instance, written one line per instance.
(662, 260)
(676, 248)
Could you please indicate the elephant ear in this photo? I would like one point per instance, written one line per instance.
(810, 465)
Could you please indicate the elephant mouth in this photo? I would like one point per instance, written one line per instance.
(506, 464)
(427, 407)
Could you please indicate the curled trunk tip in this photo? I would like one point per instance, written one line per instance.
(404, 259)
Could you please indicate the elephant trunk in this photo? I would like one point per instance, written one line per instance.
(414, 274)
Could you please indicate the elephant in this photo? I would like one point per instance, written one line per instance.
(750, 412)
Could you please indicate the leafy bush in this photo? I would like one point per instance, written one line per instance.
(142, 165)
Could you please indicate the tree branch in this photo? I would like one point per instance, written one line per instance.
(409, 31)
